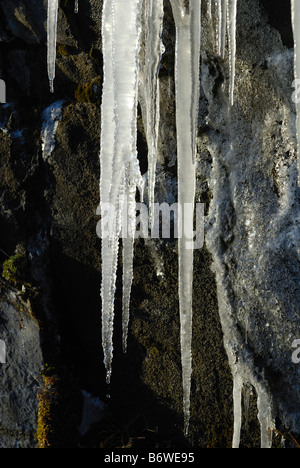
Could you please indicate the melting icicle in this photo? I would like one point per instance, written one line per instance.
(223, 28)
(149, 99)
(52, 32)
(218, 5)
(264, 406)
(296, 28)
(188, 24)
(267, 424)
(120, 174)
(237, 405)
(232, 16)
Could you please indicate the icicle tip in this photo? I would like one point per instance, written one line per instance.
(51, 83)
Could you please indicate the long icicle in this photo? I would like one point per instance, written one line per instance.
(296, 28)
(184, 70)
(237, 405)
(232, 17)
(52, 33)
(223, 28)
(108, 128)
(154, 13)
(120, 173)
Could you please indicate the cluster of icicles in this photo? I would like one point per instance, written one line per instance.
(128, 80)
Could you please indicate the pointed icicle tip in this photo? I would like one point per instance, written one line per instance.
(51, 83)
(108, 377)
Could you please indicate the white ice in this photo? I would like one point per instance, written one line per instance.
(188, 24)
(120, 173)
(296, 28)
(232, 17)
(52, 33)
(51, 118)
(149, 87)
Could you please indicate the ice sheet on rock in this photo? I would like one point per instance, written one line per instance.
(51, 118)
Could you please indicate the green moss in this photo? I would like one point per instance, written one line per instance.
(59, 411)
(14, 269)
(87, 93)
(62, 50)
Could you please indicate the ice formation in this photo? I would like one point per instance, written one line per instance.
(188, 31)
(295, 5)
(120, 173)
(52, 34)
(127, 80)
(52, 38)
(51, 118)
(149, 87)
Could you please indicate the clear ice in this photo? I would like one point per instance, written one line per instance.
(128, 80)
(295, 5)
(52, 33)
(120, 173)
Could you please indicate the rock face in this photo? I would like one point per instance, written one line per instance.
(20, 374)
(246, 277)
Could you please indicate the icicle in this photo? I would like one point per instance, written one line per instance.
(76, 9)
(267, 424)
(218, 5)
(296, 28)
(120, 174)
(237, 405)
(223, 28)
(187, 30)
(232, 16)
(195, 27)
(154, 13)
(52, 32)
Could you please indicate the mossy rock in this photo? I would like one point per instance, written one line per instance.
(88, 92)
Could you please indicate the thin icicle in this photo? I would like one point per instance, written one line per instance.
(223, 28)
(296, 28)
(218, 4)
(195, 26)
(265, 418)
(52, 33)
(232, 16)
(76, 8)
(154, 13)
(237, 405)
(185, 69)
(120, 174)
